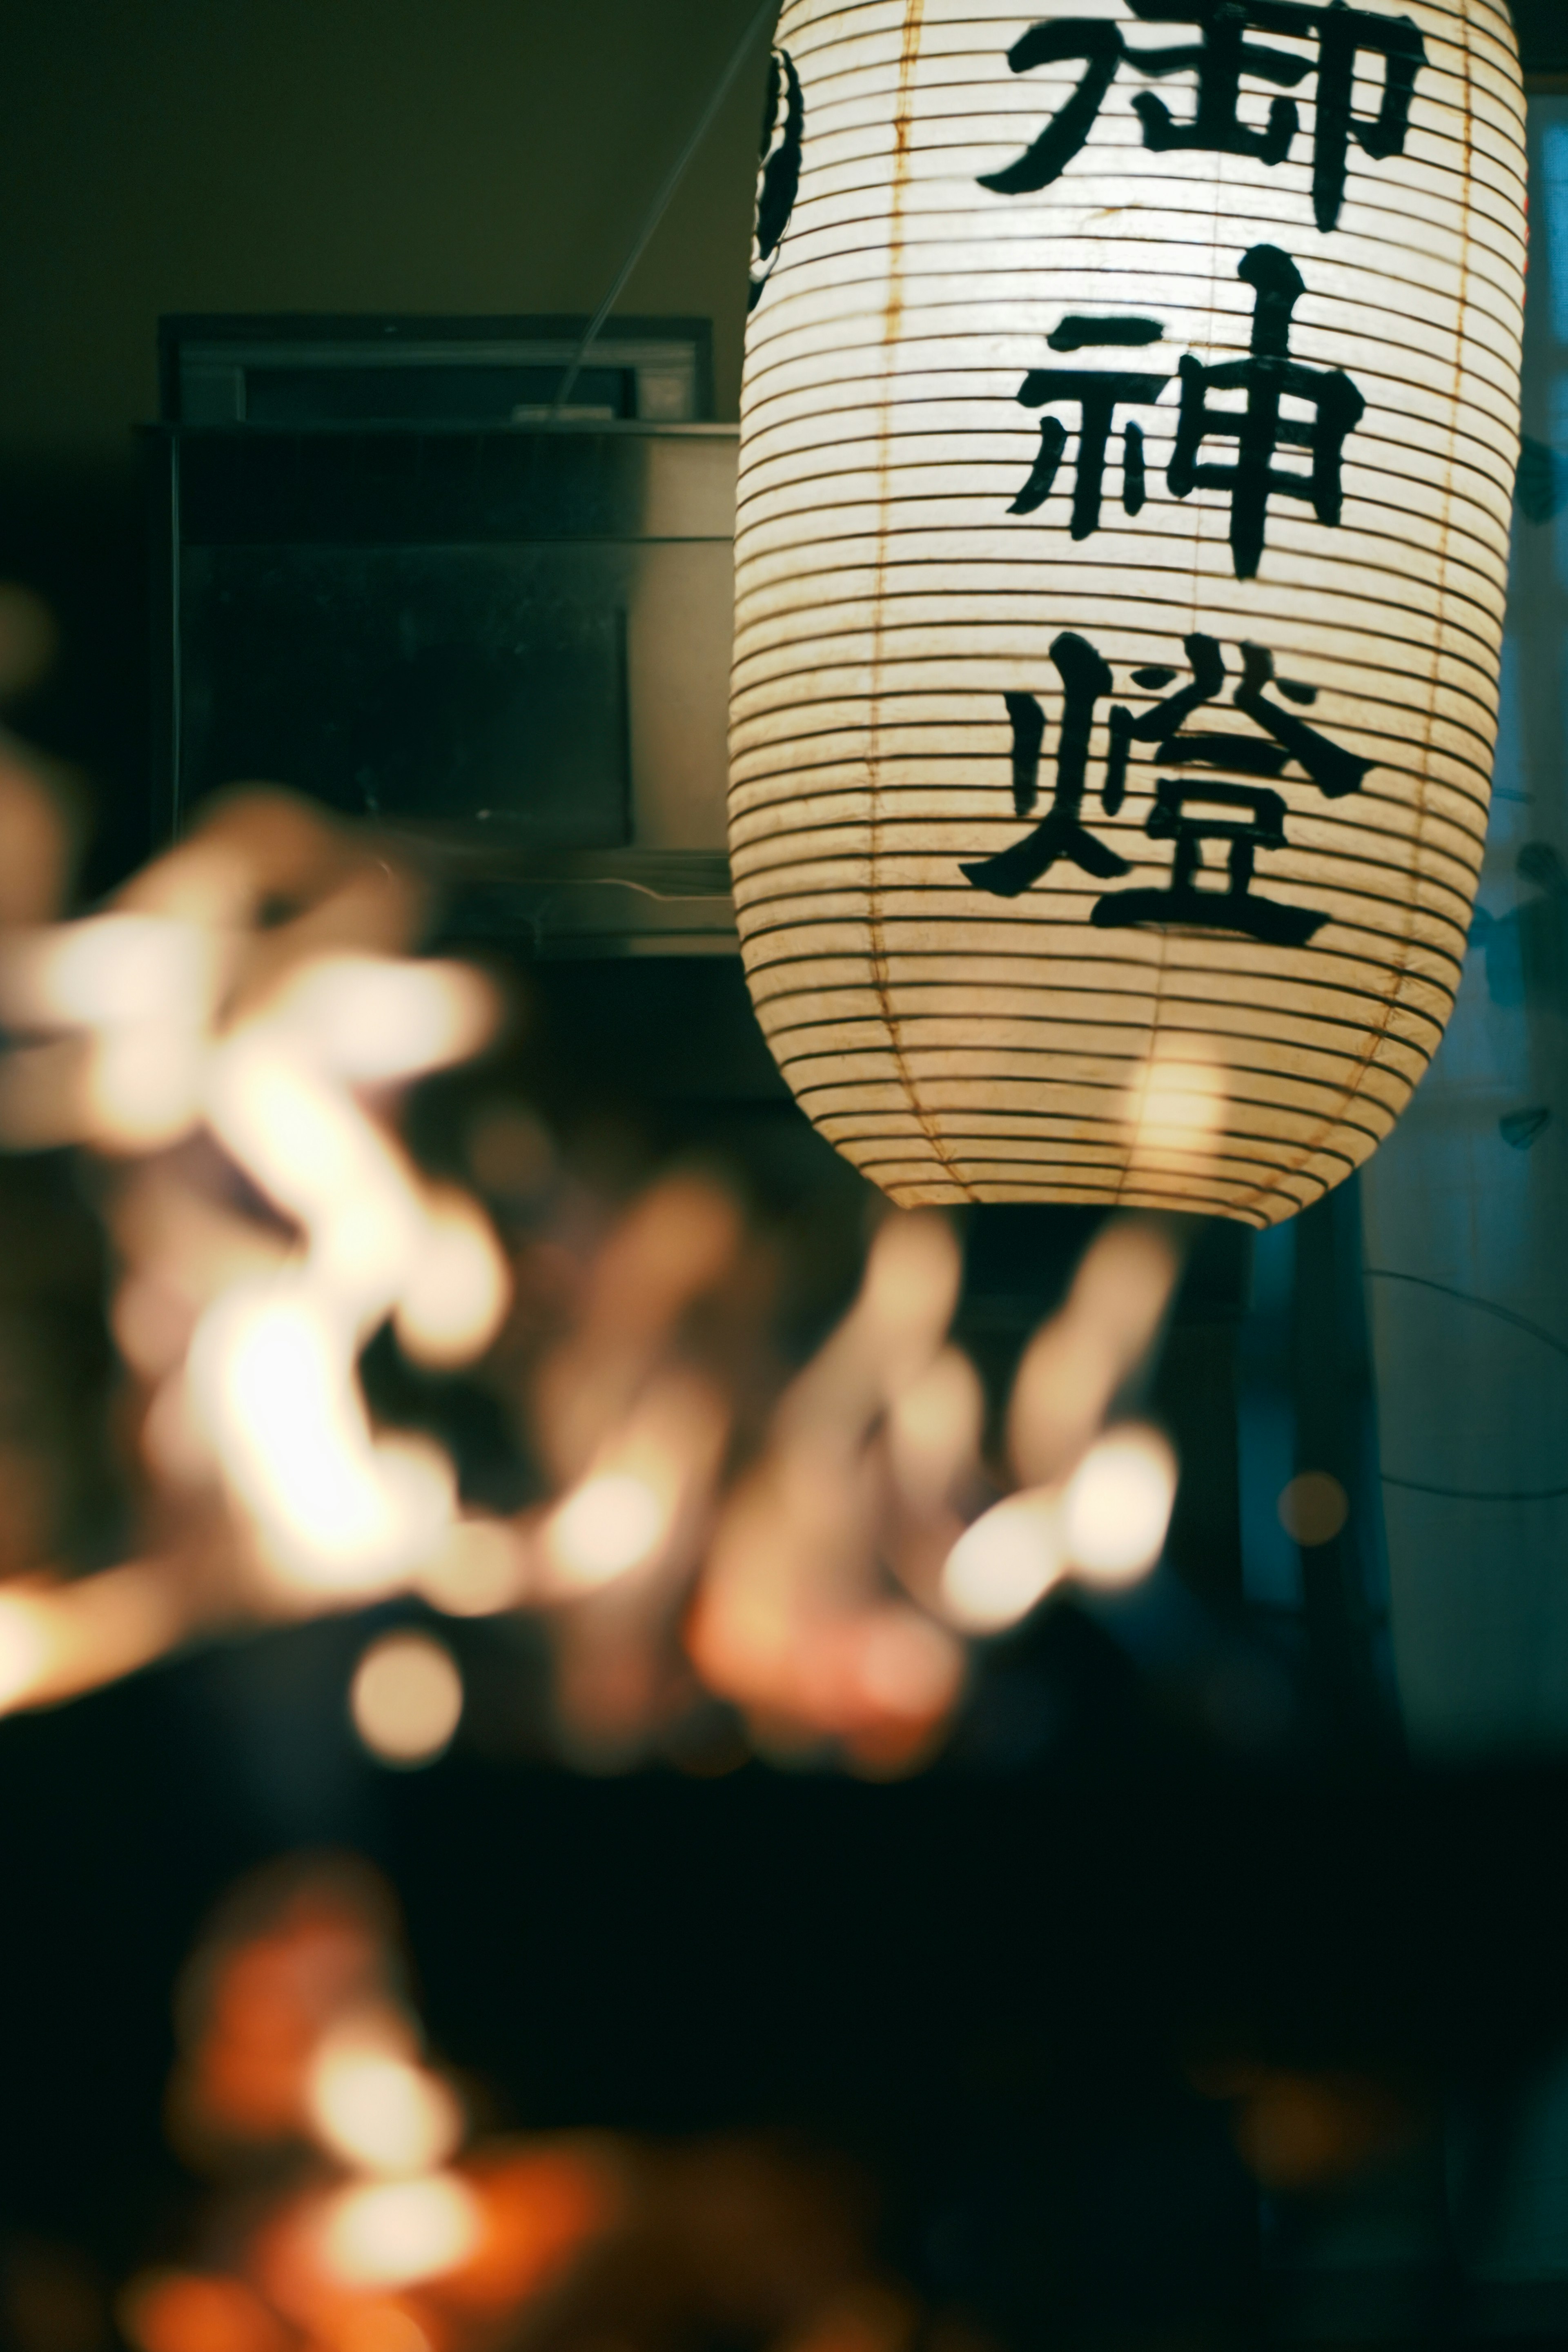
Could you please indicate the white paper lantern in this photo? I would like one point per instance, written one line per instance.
(1127, 451)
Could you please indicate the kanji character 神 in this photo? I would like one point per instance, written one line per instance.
(1268, 376)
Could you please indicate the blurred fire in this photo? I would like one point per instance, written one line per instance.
(228, 1039)
(302, 2068)
(354, 2209)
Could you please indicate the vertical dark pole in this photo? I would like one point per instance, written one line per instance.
(1342, 1578)
(1197, 1395)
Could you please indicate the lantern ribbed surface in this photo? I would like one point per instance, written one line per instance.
(1126, 455)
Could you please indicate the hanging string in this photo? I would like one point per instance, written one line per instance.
(657, 210)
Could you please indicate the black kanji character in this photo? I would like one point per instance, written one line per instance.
(1246, 817)
(1268, 376)
(1098, 392)
(780, 181)
(1250, 818)
(1161, 723)
(1061, 833)
(1335, 771)
(1219, 57)
(1098, 44)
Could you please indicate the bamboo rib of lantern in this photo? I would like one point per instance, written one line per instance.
(1128, 439)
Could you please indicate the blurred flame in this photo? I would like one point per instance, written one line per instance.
(357, 2223)
(143, 988)
(539, 2205)
(622, 1517)
(1097, 1504)
(382, 2327)
(179, 2311)
(229, 1028)
(935, 1429)
(1077, 1362)
(35, 833)
(370, 1020)
(379, 2326)
(185, 1011)
(870, 2318)
(909, 1294)
(1106, 1523)
(305, 1957)
(1118, 1504)
(675, 1244)
(272, 1373)
(392, 2233)
(789, 1620)
(279, 1100)
(373, 2108)
(888, 1341)
(30, 1645)
(903, 1668)
(60, 1640)
(614, 1522)
(1006, 1562)
(297, 2043)
(452, 1299)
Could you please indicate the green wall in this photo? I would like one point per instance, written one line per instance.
(444, 155)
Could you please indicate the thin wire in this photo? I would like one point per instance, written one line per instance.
(1477, 1494)
(1519, 1323)
(657, 210)
(1472, 1299)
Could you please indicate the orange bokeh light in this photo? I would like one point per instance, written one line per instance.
(182, 2311)
(540, 2208)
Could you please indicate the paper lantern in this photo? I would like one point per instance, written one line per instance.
(1127, 453)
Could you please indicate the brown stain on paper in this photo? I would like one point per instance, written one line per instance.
(892, 320)
(1421, 810)
(1377, 1030)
